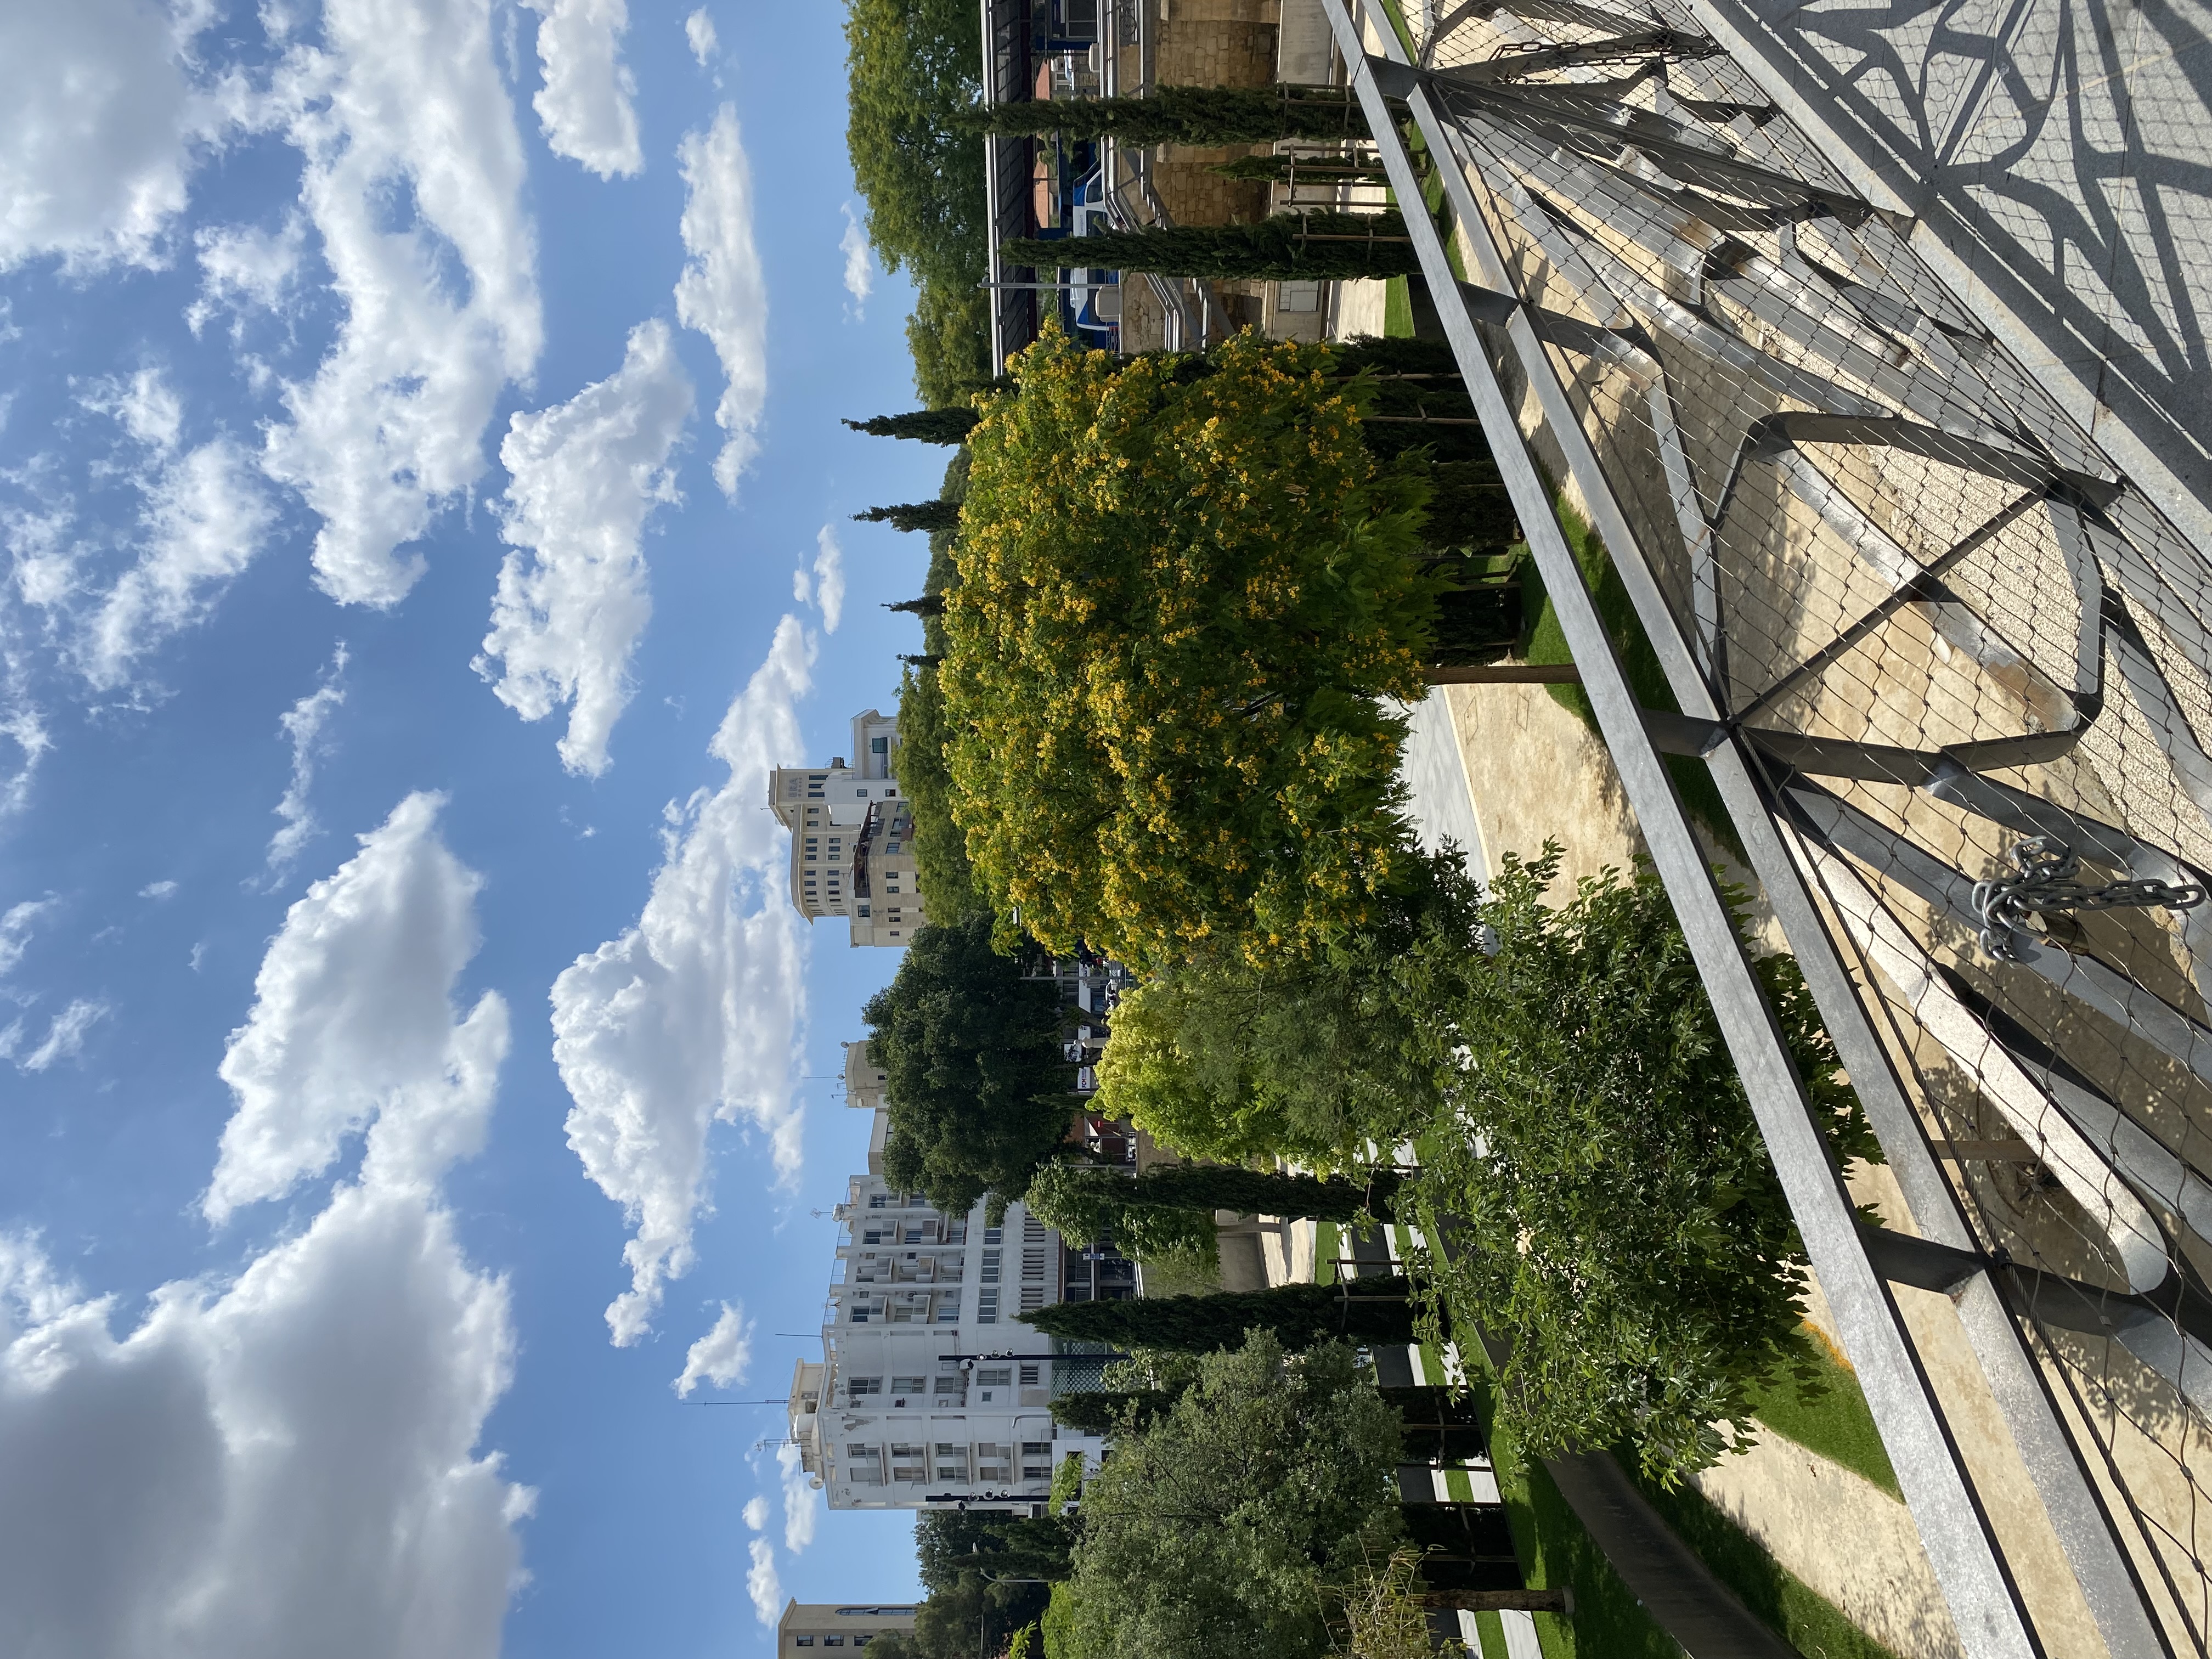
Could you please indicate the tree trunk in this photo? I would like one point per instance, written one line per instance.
(1511, 1601)
(1564, 673)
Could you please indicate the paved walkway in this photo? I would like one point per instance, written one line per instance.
(2058, 154)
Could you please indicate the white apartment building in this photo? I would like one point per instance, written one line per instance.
(809, 1626)
(930, 1394)
(851, 838)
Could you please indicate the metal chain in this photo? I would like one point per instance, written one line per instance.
(2047, 867)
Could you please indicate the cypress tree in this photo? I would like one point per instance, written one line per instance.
(916, 515)
(1107, 1410)
(931, 425)
(1395, 355)
(1299, 1315)
(1470, 507)
(1287, 246)
(1256, 1192)
(929, 604)
(1205, 116)
(1305, 169)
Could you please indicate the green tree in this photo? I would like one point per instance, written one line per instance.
(1082, 1201)
(979, 1090)
(912, 66)
(1285, 246)
(1311, 1058)
(927, 516)
(1110, 1411)
(949, 336)
(1350, 169)
(942, 872)
(1297, 1316)
(950, 1542)
(931, 425)
(1613, 1214)
(1181, 605)
(1231, 1523)
(1206, 117)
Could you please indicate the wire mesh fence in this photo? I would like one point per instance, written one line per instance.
(1969, 658)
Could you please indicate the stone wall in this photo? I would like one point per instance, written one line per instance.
(1211, 43)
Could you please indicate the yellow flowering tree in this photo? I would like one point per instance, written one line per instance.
(1184, 598)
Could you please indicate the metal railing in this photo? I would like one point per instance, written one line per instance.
(1949, 665)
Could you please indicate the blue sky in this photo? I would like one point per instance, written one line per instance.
(424, 519)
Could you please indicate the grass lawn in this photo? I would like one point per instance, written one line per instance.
(1834, 1422)
(1397, 310)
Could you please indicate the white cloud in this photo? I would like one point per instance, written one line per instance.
(693, 1014)
(721, 1356)
(414, 181)
(23, 731)
(302, 723)
(762, 1585)
(287, 1467)
(721, 292)
(157, 890)
(146, 407)
(64, 1035)
(756, 1512)
(860, 264)
(244, 268)
(353, 1025)
(205, 519)
(572, 602)
(802, 1503)
(829, 578)
(585, 104)
(15, 931)
(98, 114)
(288, 1463)
(699, 31)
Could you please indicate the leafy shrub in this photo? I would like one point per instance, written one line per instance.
(1611, 1211)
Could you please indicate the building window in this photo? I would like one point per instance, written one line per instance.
(802, 1641)
(952, 1462)
(908, 1384)
(987, 1307)
(1029, 1375)
(862, 1641)
(989, 1377)
(878, 1201)
(950, 1385)
(908, 1463)
(948, 1308)
(993, 1463)
(833, 1641)
(955, 1232)
(857, 1386)
(879, 745)
(991, 1234)
(990, 1274)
